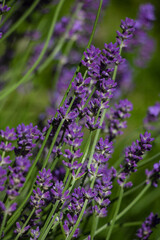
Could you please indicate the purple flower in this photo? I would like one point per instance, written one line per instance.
(154, 175)
(111, 54)
(4, 9)
(57, 192)
(19, 229)
(133, 155)
(72, 155)
(27, 135)
(80, 85)
(35, 233)
(128, 28)
(3, 178)
(153, 114)
(146, 229)
(8, 134)
(116, 118)
(5, 160)
(45, 178)
(38, 200)
(6, 147)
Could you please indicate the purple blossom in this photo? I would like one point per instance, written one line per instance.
(5, 160)
(35, 233)
(27, 135)
(19, 229)
(153, 114)
(72, 155)
(4, 9)
(8, 134)
(146, 229)
(17, 176)
(10, 209)
(3, 178)
(154, 175)
(116, 118)
(38, 200)
(134, 154)
(128, 29)
(111, 54)
(80, 85)
(6, 147)
(44, 180)
(57, 192)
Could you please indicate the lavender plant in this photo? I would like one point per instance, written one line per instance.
(58, 179)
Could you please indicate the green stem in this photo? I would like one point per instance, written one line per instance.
(27, 75)
(95, 221)
(25, 224)
(96, 138)
(17, 213)
(3, 224)
(134, 201)
(119, 225)
(56, 134)
(18, 23)
(1, 14)
(144, 162)
(44, 229)
(115, 214)
(48, 228)
(126, 209)
(60, 42)
(83, 209)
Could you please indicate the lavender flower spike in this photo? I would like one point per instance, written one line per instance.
(146, 229)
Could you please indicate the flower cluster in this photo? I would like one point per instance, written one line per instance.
(153, 114)
(116, 118)
(146, 229)
(133, 155)
(154, 175)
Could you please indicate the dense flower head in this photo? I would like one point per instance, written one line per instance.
(73, 135)
(91, 57)
(26, 136)
(35, 233)
(8, 134)
(45, 178)
(116, 118)
(58, 193)
(3, 178)
(4, 8)
(80, 85)
(111, 54)
(146, 229)
(38, 200)
(128, 28)
(134, 153)
(153, 176)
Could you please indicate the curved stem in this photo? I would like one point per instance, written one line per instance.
(144, 162)
(56, 134)
(3, 224)
(25, 224)
(126, 209)
(115, 214)
(18, 23)
(96, 138)
(27, 75)
(44, 229)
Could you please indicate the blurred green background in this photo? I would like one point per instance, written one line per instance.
(26, 105)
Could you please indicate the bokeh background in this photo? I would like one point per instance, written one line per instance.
(30, 100)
